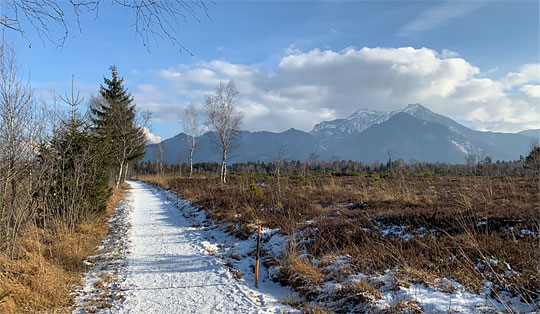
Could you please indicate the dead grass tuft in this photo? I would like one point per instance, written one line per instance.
(407, 306)
(301, 275)
(48, 263)
(313, 309)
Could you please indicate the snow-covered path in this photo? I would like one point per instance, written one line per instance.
(168, 269)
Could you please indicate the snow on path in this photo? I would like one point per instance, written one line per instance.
(169, 269)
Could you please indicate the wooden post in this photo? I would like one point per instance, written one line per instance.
(177, 195)
(257, 258)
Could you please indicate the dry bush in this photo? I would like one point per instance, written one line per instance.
(301, 275)
(49, 262)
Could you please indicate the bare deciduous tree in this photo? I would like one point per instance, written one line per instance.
(17, 145)
(470, 159)
(158, 156)
(223, 121)
(312, 159)
(192, 131)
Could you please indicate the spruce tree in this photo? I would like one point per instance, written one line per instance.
(114, 119)
(80, 181)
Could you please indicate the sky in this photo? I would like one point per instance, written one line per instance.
(297, 63)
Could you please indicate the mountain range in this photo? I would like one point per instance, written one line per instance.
(414, 133)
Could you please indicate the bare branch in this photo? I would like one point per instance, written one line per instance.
(152, 19)
(192, 131)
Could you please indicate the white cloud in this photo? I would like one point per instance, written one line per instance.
(439, 15)
(490, 71)
(527, 73)
(152, 138)
(445, 54)
(308, 87)
(146, 88)
(532, 90)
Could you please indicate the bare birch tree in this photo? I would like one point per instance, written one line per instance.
(192, 131)
(223, 121)
(158, 156)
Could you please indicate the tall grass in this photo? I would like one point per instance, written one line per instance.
(49, 262)
(468, 229)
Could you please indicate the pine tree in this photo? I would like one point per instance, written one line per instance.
(115, 124)
(80, 182)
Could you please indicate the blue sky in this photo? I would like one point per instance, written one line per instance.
(476, 62)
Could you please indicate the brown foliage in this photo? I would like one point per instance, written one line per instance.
(48, 262)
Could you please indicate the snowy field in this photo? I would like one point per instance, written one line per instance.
(172, 264)
(164, 255)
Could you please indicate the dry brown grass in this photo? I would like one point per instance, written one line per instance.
(454, 222)
(313, 309)
(407, 306)
(302, 274)
(49, 262)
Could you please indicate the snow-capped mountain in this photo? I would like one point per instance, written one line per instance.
(367, 135)
(354, 124)
(364, 118)
(458, 136)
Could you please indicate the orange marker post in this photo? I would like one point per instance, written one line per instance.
(257, 259)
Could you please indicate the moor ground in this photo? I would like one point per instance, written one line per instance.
(471, 229)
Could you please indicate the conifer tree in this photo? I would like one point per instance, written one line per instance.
(115, 123)
(80, 183)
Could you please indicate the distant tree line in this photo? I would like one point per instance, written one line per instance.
(58, 168)
(528, 165)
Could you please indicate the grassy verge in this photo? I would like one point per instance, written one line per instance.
(49, 262)
(471, 230)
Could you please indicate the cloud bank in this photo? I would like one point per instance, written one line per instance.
(308, 87)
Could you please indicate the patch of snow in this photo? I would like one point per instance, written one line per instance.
(525, 232)
(481, 223)
(460, 147)
(181, 262)
(404, 232)
(101, 283)
(448, 296)
(353, 124)
(413, 108)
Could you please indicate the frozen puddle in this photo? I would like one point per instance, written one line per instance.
(167, 267)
